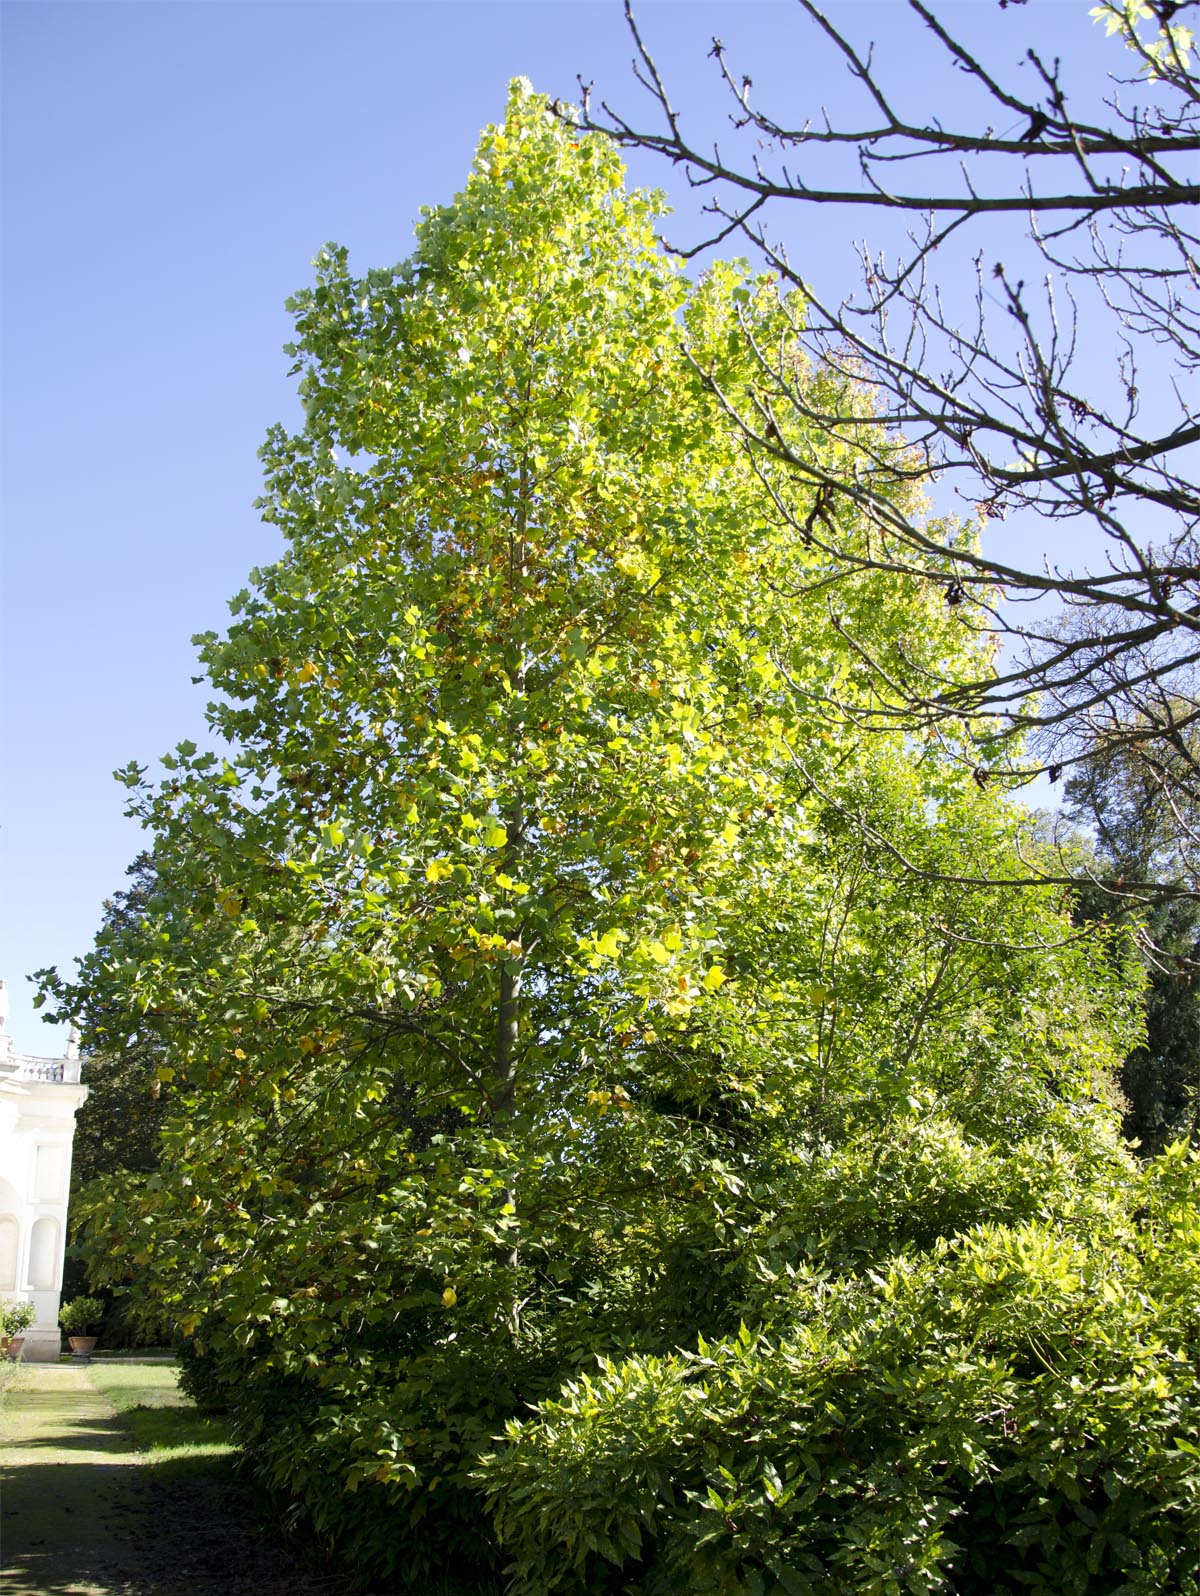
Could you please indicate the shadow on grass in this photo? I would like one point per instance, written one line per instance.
(150, 1528)
(145, 1429)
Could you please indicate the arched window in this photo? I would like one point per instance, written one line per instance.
(43, 1249)
(10, 1235)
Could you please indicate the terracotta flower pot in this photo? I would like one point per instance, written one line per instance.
(10, 1346)
(81, 1346)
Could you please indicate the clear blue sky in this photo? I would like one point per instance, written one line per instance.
(170, 169)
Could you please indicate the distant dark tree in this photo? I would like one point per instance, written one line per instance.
(1141, 834)
(118, 1126)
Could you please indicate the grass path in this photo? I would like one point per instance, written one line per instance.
(65, 1472)
(111, 1484)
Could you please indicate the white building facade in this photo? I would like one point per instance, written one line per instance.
(38, 1100)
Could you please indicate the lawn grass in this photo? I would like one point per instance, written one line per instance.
(115, 1484)
(10, 1379)
(160, 1421)
(155, 1415)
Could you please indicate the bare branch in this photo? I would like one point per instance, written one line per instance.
(996, 408)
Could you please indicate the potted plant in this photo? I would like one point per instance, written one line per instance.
(77, 1317)
(15, 1319)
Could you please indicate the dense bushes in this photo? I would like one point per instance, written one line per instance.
(1013, 1410)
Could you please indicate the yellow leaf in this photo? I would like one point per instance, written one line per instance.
(449, 1297)
(714, 977)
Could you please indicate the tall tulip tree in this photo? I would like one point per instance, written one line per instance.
(519, 931)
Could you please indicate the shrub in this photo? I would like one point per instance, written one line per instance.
(1015, 1410)
(79, 1315)
(16, 1317)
